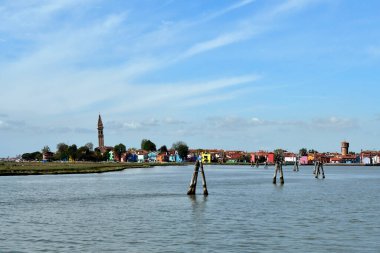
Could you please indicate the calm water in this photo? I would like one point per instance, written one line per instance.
(147, 210)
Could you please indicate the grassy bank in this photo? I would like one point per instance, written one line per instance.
(38, 168)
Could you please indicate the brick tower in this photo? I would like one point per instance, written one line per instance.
(100, 132)
(344, 147)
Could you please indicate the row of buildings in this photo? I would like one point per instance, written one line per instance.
(222, 156)
(259, 157)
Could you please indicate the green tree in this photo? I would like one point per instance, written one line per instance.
(279, 155)
(26, 156)
(163, 149)
(62, 151)
(303, 152)
(106, 155)
(311, 151)
(148, 145)
(261, 159)
(98, 155)
(119, 150)
(35, 156)
(72, 152)
(45, 149)
(90, 146)
(245, 158)
(83, 153)
(182, 149)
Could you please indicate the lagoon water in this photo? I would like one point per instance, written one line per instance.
(147, 210)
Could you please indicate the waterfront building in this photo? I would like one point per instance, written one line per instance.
(262, 156)
(290, 157)
(270, 158)
(142, 156)
(233, 156)
(162, 157)
(370, 157)
(304, 160)
(174, 156)
(47, 156)
(206, 157)
(152, 156)
(335, 160)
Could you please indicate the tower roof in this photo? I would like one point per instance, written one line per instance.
(100, 123)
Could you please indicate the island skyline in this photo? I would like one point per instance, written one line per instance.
(242, 75)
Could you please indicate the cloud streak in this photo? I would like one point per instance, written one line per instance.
(58, 61)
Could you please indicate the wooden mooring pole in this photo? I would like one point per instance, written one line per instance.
(193, 182)
(319, 169)
(296, 165)
(278, 168)
(205, 192)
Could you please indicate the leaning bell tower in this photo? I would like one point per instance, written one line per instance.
(100, 132)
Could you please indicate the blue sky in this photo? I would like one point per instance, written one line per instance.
(243, 75)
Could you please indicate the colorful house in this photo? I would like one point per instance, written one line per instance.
(132, 157)
(304, 160)
(350, 158)
(233, 156)
(152, 157)
(335, 160)
(290, 157)
(174, 157)
(262, 156)
(47, 156)
(310, 158)
(142, 156)
(162, 157)
(270, 157)
(206, 158)
(370, 157)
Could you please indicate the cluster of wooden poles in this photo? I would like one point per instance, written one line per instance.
(193, 182)
(318, 169)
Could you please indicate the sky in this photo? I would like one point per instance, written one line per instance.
(236, 75)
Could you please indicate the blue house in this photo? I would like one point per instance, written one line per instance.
(175, 158)
(132, 158)
(152, 157)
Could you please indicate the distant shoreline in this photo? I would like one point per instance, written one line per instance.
(56, 168)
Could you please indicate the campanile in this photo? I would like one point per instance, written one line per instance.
(100, 132)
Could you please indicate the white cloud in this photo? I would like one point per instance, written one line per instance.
(374, 51)
(226, 10)
(53, 72)
(25, 17)
(289, 6)
(247, 28)
(162, 94)
(237, 123)
(220, 41)
(334, 123)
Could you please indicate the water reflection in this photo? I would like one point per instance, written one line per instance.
(279, 187)
(198, 203)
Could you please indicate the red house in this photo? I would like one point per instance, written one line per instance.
(270, 157)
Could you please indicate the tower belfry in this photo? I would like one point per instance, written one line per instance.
(100, 132)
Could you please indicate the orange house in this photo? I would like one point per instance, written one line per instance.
(162, 157)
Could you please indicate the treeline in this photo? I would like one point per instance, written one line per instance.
(87, 152)
(65, 152)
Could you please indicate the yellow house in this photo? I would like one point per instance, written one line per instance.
(310, 157)
(206, 158)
